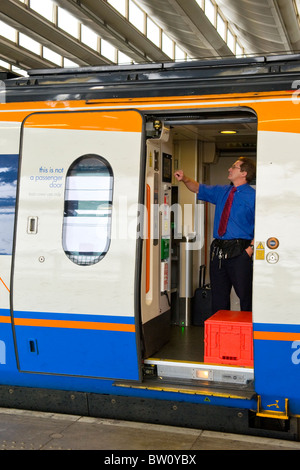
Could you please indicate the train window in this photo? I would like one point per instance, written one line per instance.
(88, 209)
(8, 185)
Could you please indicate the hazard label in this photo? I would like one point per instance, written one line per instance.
(260, 251)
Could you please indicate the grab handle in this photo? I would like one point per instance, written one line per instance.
(32, 225)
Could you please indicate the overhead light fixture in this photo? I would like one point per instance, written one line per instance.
(228, 132)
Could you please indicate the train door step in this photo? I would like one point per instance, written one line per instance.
(195, 378)
(200, 372)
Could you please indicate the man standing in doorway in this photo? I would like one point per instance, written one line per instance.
(232, 248)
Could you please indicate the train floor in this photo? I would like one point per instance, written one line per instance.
(120, 441)
(186, 344)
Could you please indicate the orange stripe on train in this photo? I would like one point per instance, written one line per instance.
(125, 121)
(83, 325)
(276, 336)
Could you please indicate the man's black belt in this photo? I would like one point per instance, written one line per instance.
(224, 249)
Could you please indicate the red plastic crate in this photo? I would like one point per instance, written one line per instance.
(228, 338)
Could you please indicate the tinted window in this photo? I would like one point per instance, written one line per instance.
(87, 212)
(8, 187)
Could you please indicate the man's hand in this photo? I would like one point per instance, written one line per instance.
(179, 175)
(250, 250)
(190, 184)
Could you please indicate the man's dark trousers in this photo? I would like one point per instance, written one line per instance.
(231, 272)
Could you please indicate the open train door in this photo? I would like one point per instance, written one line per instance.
(74, 274)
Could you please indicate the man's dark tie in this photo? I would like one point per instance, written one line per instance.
(226, 212)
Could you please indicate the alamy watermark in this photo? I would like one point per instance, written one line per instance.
(137, 221)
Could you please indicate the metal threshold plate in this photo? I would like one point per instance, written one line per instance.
(201, 371)
(197, 379)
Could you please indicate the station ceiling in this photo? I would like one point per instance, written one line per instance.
(264, 27)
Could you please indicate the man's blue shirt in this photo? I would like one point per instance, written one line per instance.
(241, 220)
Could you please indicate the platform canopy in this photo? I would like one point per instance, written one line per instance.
(51, 33)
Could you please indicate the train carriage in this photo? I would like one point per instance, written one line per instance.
(101, 248)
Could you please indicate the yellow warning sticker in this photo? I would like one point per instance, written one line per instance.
(260, 254)
(260, 251)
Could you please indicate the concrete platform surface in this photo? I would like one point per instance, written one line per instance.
(31, 430)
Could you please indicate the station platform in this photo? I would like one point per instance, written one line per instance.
(31, 430)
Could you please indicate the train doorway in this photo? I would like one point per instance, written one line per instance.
(176, 260)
